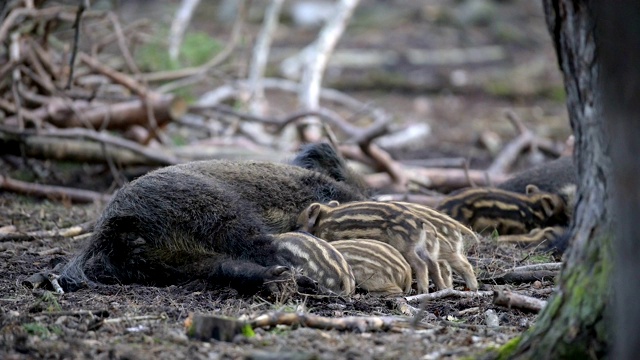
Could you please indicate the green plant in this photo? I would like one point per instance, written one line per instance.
(36, 329)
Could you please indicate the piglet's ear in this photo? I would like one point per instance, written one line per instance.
(531, 189)
(551, 205)
(312, 214)
(333, 203)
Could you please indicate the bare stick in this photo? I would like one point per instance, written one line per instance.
(222, 93)
(556, 266)
(513, 300)
(151, 154)
(50, 191)
(526, 138)
(135, 318)
(260, 56)
(114, 75)
(386, 163)
(52, 251)
(448, 293)
(311, 82)
(428, 200)
(350, 323)
(53, 279)
(76, 39)
(14, 55)
(62, 112)
(436, 178)
(90, 313)
(122, 43)
(179, 26)
(47, 234)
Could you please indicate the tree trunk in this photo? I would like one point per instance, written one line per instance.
(574, 325)
(618, 39)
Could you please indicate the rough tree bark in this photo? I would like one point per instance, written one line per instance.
(619, 36)
(574, 323)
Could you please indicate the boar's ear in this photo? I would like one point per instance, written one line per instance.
(312, 214)
(532, 189)
(333, 203)
(551, 205)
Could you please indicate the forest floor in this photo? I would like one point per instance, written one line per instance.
(458, 101)
(39, 324)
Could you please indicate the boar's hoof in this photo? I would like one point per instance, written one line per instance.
(307, 285)
(276, 272)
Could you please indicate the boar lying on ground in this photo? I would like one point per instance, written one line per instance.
(488, 209)
(208, 220)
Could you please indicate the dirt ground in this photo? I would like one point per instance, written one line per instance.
(132, 321)
(139, 322)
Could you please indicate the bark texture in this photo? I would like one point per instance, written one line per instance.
(618, 39)
(574, 324)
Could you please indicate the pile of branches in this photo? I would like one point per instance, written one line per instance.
(83, 98)
(52, 90)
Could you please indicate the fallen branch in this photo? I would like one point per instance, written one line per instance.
(428, 200)
(519, 277)
(207, 327)
(116, 76)
(151, 154)
(53, 280)
(223, 93)
(555, 266)
(51, 191)
(47, 234)
(517, 301)
(134, 318)
(525, 139)
(66, 114)
(438, 178)
(77, 150)
(349, 323)
(448, 293)
(90, 313)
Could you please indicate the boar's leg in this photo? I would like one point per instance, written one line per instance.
(420, 269)
(460, 265)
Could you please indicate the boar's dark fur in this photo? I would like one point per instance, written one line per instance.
(208, 220)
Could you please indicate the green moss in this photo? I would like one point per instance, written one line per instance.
(574, 325)
(281, 330)
(197, 48)
(499, 88)
(47, 302)
(557, 93)
(24, 175)
(541, 258)
(56, 329)
(248, 331)
(507, 349)
(36, 329)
